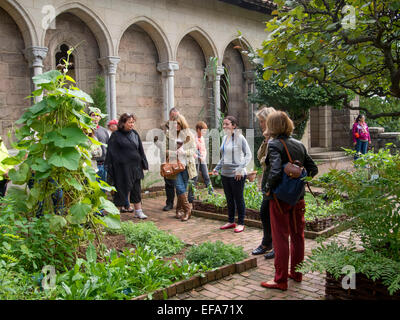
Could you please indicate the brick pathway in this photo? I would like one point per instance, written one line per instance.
(245, 285)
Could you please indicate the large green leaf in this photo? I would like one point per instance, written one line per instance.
(74, 135)
(78, 213)
(112, 221)
(108, 206)
(19, 176)
(91, 255)
(41, 165)
(57, 222)
(67, 137)
(46, 77)
(74, 183)
(90, 173)
(66, 157)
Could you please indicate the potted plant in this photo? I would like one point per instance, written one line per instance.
(372, 192)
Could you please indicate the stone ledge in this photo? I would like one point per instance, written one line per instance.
(197, 281)
(152, 194)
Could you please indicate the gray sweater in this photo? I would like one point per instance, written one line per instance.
(235, 155)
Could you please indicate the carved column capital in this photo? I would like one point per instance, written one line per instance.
(168, 68)
(109, 64)
(35, 56)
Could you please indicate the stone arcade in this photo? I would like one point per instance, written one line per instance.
(153, 54)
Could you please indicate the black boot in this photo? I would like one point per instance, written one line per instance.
(168, 207)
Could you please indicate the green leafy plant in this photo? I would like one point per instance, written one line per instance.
(54, 159)
(215, 254)
(372, 194)
(146, 234)
(121, 276)
(321, 209)
(99, 97)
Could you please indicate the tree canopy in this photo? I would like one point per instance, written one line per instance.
(346, 47)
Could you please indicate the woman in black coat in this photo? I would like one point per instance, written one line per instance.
(125, 162)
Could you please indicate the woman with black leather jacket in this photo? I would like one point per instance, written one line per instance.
(266, 244)
(286, 220)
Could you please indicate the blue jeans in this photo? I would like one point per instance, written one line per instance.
(182, 181)
(102, 172)
(361, 147)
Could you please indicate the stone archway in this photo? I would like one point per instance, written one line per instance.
(190, 82)
(237, 91)
(73, 32)
(139, 84)
(15, 82)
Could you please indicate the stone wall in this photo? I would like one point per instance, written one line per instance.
(139, 84)
(379, 138)
(190, 86)
(15, 82)
(71, 30)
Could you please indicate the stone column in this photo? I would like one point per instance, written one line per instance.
(35, 57)
(109, 65)
(250, 77)
(168, 69)
(214, 75)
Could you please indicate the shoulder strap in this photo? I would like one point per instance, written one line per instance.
(287, 151)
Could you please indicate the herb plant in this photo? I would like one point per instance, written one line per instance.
(215, 254)
(146, 234)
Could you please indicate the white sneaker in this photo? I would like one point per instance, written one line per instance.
(140, 215)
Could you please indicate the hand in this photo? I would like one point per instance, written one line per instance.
(354, 143)
(238, 177)
(214, 172)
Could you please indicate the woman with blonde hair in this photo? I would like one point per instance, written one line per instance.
(184, 153)
(286, 219)
(266, 243)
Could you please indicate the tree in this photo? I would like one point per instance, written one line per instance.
(294, 100)
(343, 46)
(99, 97)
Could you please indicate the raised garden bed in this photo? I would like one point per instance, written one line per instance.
(153, 192)
(366, 289)
(197, 281)
(318, 227)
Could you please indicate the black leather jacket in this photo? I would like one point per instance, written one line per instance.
(277, 157)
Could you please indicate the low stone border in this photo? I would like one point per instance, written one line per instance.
(152, 194)
(197, 281)
(258, 224)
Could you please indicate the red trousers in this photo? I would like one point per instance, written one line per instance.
(283, 225)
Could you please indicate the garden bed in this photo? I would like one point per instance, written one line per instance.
(200, 280)
(313, 229)
(366, 289)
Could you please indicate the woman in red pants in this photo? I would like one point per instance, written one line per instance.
(286, 220)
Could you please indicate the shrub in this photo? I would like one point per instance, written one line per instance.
(215, 254)
(372, 193)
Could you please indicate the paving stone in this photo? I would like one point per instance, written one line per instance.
(235, 286)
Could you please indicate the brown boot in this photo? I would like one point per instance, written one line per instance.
(187, 207)
(179, 208)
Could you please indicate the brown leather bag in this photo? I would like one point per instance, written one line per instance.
(168, 169)
(294, 168)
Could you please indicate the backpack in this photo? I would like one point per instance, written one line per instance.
(292, 184)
